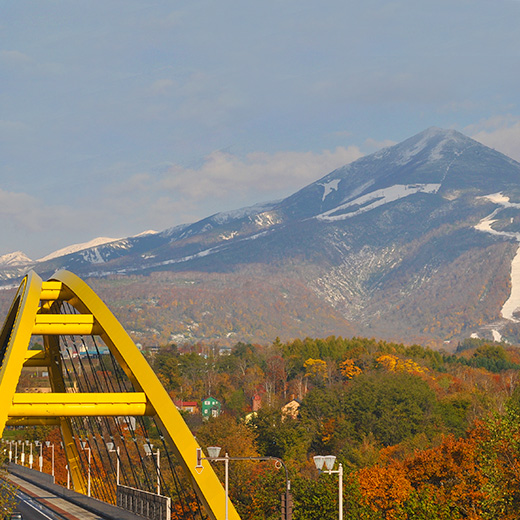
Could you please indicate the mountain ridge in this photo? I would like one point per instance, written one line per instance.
(379, 235)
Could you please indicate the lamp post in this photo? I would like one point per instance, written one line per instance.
(85, 446)
(40, 458)
(10, 450)
(214, 452)
(328, 461)
(110, 449)
(48, 444)
(148, 452)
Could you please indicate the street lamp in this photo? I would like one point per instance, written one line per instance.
(214, 452)
(40, 459)
(48, 444)
(10, 450)
(31, 457)
(328, 462)
(85, 447)
(148, 452)
(110, 449)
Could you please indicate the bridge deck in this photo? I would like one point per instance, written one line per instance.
(67, 503)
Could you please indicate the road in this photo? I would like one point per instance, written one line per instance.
(32, 510)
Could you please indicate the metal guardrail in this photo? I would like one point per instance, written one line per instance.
(149, 505)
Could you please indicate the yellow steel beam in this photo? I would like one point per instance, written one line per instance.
(52, 346)
(15, 338)
(66, 324)
(80, 404)
(33, 421)
(52, 291)
(175, 430)
(36, 358)
(79, 482)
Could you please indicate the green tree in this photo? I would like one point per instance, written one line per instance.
(392, 406)
(280, 436)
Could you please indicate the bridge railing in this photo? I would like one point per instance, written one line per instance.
(144, 503)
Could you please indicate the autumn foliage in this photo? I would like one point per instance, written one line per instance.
(422, 434)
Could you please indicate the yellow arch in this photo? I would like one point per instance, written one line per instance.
(32, 312)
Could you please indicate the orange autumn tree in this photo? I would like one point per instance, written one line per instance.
(349, 369)
(385, 489)
(451, 472)
(446, 480)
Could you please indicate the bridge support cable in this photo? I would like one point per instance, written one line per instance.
(72, 368)
(91, 430)
(101, 391)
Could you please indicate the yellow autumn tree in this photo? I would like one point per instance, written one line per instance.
(315, 368)
(394, 364)
(349, 369)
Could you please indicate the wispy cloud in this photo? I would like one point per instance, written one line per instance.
(373, 145)
(223, 174)
(499, 132)
(13, 57)
(29, 215)
(221, 182)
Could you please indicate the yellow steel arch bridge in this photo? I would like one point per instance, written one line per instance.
(66, 307)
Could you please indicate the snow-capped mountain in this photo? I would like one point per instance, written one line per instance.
(14, 259)
(417, 241)
(78, 247)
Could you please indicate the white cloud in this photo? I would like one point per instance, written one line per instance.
(162, 86)
(499, 132)
(222, 182)
(27, 214)
(223, 174)
(374, 145)
(14, 58)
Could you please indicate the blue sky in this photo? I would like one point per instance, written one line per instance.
(119, 116)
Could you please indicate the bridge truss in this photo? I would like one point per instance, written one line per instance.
(101, 391)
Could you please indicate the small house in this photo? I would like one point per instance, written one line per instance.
(211, 407)
(187, 406)
(291, 409)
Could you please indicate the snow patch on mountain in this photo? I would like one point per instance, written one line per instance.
(14, 259)
(93, 256)
(513, 302)
(425, 141)
(375, 199)
(329, 187)
(228, 236)
(496, 335)
(267, 219)
(485, 225)
(228, 216)
(409, 153)
(145, 233)
(78, 247)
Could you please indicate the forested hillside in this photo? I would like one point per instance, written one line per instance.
(224, 308)
(421, 433)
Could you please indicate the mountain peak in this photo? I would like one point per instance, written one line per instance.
(17, 258)
(78, 247)
(432, 144)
